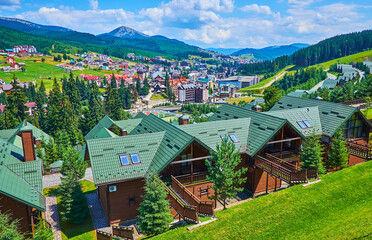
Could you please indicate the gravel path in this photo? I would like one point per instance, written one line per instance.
(51, 215)
(99, 217)
(53, 180)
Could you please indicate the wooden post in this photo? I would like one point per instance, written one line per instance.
(275, 182)
(267, 182)
(192, 163)
(281, 144)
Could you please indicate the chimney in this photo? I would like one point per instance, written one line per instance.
(28, 143)
(257, 108)
(183, 120)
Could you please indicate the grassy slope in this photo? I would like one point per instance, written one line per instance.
(263, 82)
(237, 100)
(338, 207)
(358, 57)
(84, 231)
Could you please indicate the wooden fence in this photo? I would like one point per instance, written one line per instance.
(192, 178)
(203, 207)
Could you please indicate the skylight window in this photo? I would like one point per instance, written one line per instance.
(234, 138)
(135, 158)
(307, 124)
(225, 138)
(124, 160)
(302, 124)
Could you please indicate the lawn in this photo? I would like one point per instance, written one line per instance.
(358, 57)
(369, 115)
(237, 100)
(159, 97)
(264, 82)
(84, 231)
(338, 207)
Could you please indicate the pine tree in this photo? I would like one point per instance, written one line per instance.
(74, 207)
(62, 140)
(73, 164)
(113, 103)
(16, 102)
(223, 173)
(338, 155)
(51, 153)
(311, 156)
(155, 215)
(8, 228)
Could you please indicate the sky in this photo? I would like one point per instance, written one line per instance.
(204, 23)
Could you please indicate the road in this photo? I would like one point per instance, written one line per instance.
(272, 81)
(329, 75)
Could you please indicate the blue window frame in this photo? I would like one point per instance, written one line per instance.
(124, 160)
(307, 124)
(234, 138)
(135, 158)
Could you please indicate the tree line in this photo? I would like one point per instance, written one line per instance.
(328, 49)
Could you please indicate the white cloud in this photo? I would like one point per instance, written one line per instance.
(299, 3)
(259, 9)
(81, 20)
(10, 5)
(93, 4)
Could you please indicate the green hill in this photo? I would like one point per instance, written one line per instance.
(338, 207)
(76, 42)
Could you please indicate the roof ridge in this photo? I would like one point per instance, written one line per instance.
(169, 124)
(318, 100)
(254, 112)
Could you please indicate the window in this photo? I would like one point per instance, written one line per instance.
(225, 138)
(135, 158)
(302, 124)
(354, 128)
(184, 157)
(124, 160)
(307, 124)
(234, 138)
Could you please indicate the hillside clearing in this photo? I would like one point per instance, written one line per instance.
(338, 207)
(358, 57)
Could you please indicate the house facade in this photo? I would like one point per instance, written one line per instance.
(21, 187)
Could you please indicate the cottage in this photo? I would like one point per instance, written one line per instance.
(21, 184)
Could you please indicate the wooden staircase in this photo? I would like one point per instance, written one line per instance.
(360, 150)
(285, 171)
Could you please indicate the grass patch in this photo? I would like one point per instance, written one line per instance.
(237, 100)
(159, 97)
(358, 57)
(338, 207)
(263, 82)
(203, 218)
(83, 231)
(369, 115)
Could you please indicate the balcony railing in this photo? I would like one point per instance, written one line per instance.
(187, 179)
(188, 212)
(285, 171)
(360, 150)
(203, 207)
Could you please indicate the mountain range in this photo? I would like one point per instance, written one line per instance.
(269, 53)
(131, 39)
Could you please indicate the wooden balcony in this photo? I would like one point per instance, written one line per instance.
(283, 170)
(193, 178)
(360, 149)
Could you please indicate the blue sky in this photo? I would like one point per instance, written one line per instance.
(205, 23)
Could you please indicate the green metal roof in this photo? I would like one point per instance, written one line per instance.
(310, 114)
(103, 133)
(129, 124)
(140, 115)
(332, 115)
(36, 132)
(14, 186)
(209, 133)
(174, 142)
(26, 176)
(261, 129)
(105, 122)
(104, 156)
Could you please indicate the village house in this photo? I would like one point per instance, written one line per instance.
(123, 152)
(21, 186)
